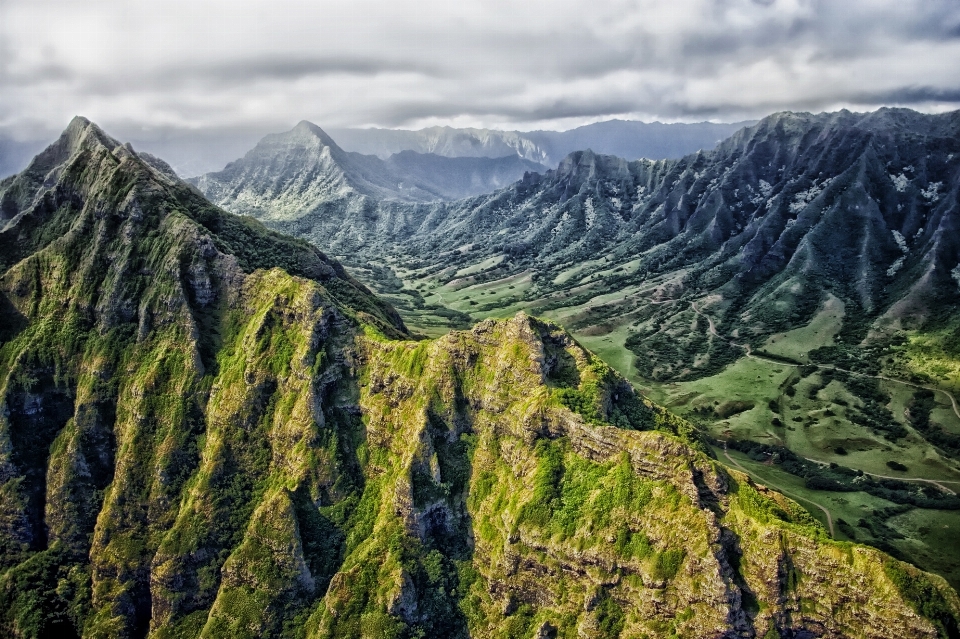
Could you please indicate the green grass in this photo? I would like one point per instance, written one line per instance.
(819, 332)
(929, 536)
(936, 356)
(479, 267)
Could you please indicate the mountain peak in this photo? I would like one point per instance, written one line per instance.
(77, 123)
(305, 127)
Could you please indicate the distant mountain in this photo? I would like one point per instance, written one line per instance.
(441, 140)
(454, 178)
(291, 174)
(626, 139)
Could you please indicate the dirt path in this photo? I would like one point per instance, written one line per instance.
(939, 483)
(788, 494)
(749, 353)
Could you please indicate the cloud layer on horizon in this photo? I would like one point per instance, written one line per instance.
(184, 65)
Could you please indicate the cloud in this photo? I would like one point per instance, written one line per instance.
(207, 65)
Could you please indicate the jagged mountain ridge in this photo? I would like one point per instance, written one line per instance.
(289, 174)
(627, 139)
(209, 429)
(863, 206)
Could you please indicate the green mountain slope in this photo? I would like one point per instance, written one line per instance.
(210, 430)
(794, 290)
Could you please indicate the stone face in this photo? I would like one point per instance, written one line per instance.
(208, 429)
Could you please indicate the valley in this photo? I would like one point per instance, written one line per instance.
(720, 286)
(747, 400)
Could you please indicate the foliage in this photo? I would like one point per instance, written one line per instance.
(924, 597)
(837, 478)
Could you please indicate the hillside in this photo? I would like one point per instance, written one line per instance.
(210, 429)
(793, 291)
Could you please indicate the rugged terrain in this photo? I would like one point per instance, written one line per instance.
(305, 170)
(759, 232)
(622, 138)
(210, 429)
(795, 288)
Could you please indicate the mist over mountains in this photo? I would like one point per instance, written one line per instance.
(626, 139)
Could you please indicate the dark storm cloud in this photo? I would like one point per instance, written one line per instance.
(257, 66)
(912, 95)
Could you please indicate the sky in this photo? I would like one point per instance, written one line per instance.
(242, 68)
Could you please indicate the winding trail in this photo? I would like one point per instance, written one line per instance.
(749, 353)
(939, 483)
(826, 512)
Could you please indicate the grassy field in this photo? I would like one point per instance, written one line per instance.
(820, 331)
(927, 538)
(934, 355)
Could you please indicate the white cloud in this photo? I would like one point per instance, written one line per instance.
(266, 65)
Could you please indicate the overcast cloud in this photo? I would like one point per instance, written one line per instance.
(217, 65)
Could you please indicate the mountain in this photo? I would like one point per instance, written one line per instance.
(628, 139)
(194, 153)
(291, 174)
(860, 206)
(761, 230)
(794, 291)
(210, 429)
(442, 140)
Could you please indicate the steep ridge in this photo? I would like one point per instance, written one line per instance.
(864, 207)
(209, 429)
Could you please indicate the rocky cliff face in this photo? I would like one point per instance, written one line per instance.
(208, 429)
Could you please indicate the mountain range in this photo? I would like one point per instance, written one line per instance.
(794, 291)
(211, 429)
(196, 152)
(304, 168)
(627, 139)
(760, 229)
